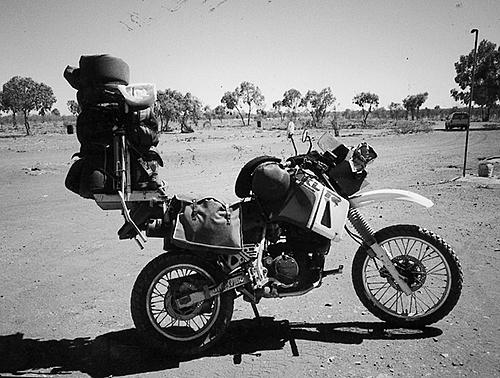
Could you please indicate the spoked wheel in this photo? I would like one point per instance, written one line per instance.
(159, 318)
(427, 264)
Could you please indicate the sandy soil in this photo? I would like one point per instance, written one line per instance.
(66, 278)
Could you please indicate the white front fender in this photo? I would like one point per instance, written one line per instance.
(382, 195)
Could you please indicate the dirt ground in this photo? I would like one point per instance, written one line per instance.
(66, 278)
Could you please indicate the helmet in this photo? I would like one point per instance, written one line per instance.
(270, 182)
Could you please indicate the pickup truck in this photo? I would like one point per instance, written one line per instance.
(458, 119)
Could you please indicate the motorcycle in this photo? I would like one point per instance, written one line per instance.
(270, 244)
(273, 244)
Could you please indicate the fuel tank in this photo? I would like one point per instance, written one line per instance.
(309, 204)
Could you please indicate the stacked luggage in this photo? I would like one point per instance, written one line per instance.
(102, 112)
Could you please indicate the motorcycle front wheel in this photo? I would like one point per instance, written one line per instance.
(161, 323)
(428, 265)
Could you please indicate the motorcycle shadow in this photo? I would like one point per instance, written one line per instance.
(121, 353)
(250, 336)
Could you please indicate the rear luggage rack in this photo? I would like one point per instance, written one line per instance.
(114, 202)
(125, 195)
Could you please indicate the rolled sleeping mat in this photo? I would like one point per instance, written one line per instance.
(103, 69)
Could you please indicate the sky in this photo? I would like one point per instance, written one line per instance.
(389, 47)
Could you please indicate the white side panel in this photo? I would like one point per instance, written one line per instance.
(333, 209)
(317, 188)
(382, 195)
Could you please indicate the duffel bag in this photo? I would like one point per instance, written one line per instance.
(143, 138)
(142, 130)
(209, 224)
(99, 94)
(94, 129)
(90, 175)
(73, 177)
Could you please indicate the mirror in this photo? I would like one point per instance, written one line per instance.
(290, 129)
(305, 136)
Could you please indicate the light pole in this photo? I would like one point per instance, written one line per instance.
(475, 31)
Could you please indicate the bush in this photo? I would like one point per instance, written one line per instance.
(50, 124)
(492, 126)
(411, 127)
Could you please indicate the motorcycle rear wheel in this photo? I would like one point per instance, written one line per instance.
(427, 263)
(158, 319)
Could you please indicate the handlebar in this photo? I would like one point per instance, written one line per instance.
(312, 161)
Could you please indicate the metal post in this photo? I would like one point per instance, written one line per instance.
(470, 99)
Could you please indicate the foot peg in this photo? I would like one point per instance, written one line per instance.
(331, 272)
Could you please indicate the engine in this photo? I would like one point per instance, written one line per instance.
(284, 268)
(296, 259)
(304, 240)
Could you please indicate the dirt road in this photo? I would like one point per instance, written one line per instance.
(66, 278)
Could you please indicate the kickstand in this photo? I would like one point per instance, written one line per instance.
(256, 312)
(139, 238)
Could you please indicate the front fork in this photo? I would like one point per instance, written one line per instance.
(368, 236)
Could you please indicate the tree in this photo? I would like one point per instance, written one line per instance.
(169, 105)
(11, 99)
(412, 104)
(232, 101)
(73, 107)
(317, 104)
(409, 105)
(380, 112)
(364, 99)
(249, 94)
(190, 109)
(220, 111)
(277, 108)
(44, 99)
(292, 99)
(55, 112)
(172, 105)
(208, 113)
(2, 106)
(419, 101)
(23, 94)
(394, 109)
(437, 111)
(487, 77)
